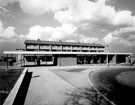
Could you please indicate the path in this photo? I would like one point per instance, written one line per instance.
(49, 85)
(46, 88)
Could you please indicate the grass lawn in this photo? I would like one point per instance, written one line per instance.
(117, 83)
(7, 81)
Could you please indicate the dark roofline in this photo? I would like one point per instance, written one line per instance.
(60, 43)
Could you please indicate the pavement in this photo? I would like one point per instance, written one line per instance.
(54, 85)
(46, 88)
(49, 85)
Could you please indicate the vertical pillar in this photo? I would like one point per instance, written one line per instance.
(50, 47)
(34, 59)
(7, 61)
(99, 59)
(25, 47)
(46, 59)
(114, 59)
(21, 60)
(85, 61)
(52, 59)
(24, 59)
(59, 60)
(107, 60)
(80, 48)
(71, 48)
(92, 59)
(38, 47)
(11, 60)
(89, 49)
(61, 48)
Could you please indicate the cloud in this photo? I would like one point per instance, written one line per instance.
(65, 32)
(5, 2)
(78, 12)
(85, 39)
(7, 33)
(75, 14)
(125, 36)
(38, 32)
(123, 17)
(5, 12)
(39, 7)
(3, 9)
(94, 13)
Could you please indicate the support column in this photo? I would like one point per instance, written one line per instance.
(7, 61)
(59, 60)
(103, 58)
(38, 47)
(11, 60)
(45, 59)
(21, 60)
(71, 48)
(85, 60)
(80, 48)
(99, 59)
(50, 47)
(52, 59)
(24, 59)
(107, 60)
(114, 59)
(35, 59)
(25, 47)
(92, 59)
(61, 48)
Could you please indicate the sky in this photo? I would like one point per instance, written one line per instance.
(108, 22)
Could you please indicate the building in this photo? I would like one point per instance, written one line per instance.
(59, 46)
(38, 45)
(67, 53)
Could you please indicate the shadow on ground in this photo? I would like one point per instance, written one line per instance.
(87, 96)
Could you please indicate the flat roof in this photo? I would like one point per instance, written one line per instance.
(60, 43)
(76, 53)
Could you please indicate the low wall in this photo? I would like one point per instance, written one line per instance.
(19, 91)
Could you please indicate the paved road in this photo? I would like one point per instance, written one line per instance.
(49, 85)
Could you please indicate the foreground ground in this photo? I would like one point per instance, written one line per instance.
(118, 84)
(59, 85)
(7, 80)
(67, 85)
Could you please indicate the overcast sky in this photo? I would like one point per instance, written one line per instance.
(110, 22)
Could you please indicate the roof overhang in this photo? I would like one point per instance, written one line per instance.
(57, 53)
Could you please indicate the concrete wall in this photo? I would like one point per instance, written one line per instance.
(66, 61)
